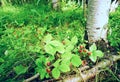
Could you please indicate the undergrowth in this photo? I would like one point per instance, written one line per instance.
(35, 37)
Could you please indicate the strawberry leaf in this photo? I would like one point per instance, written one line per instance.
(20, 69)
(58, 46)
(64, 68)
(74, 40)
(99, 53)
(56, 73)
(50, 49)
(76, 61)
(93, 57)
(48, 38)
(56, 64)
(93, 47)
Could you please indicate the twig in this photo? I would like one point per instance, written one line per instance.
(32, 78)
(83, 68)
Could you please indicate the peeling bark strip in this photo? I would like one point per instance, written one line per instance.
(97, 20)
(85, 76)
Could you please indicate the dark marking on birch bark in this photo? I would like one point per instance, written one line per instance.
(97, 28)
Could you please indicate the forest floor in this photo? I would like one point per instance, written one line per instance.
(25, 33)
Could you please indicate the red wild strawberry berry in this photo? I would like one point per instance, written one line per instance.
(48, 70)
(81, 46)
(89, 53)
(85, 50)
(80, 51)
(48, 63)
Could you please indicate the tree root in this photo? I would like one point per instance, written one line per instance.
(85, 75)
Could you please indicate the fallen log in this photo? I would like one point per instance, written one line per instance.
(93, 71)
(85, 75)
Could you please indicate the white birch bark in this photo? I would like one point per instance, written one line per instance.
(114, 5)
(97, 20)
(55, 4)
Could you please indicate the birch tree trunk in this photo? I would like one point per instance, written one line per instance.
(97, 20)
(55, 4)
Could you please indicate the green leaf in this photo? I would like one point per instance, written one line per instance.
(48, 38)
(56, 64)
(1, 60)
(50, 49)
(41, 71)
(74, 40)
(54, 46)
(67, 42)
(47, 75)
(59, 46)
(96, 54)
(55, 43)
(56, 73)
(60, 49)
(93, 47)
(1, 70)
(39, 61)
(67, 55)
(20, 69)
(69, 48)
(99, 53)
(76, 61)
(93, 57)
(64, 68)
(66, 61)
(51, 58)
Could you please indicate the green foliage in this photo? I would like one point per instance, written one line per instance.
(24, 40)
(56, 73)
(76, 61)
(68, 5)
(36, 39)
(41, 68)
(95, 53)
(114, 37)
(52, 47)
(20, 69)
(17, 48)
(62, 56)
(64, 68)
(1, 60)
(22, 2)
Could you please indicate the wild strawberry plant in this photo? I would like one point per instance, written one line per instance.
(58, 57)
(94, 53)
